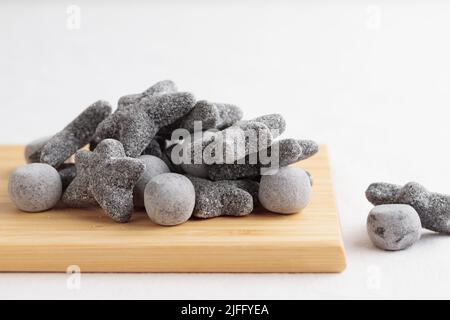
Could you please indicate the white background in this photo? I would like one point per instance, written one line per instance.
(369, 79)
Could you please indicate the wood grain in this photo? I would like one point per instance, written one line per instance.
(262, 242)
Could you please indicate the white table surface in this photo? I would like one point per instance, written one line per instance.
(369, 79)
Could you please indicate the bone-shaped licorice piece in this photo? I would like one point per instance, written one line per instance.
(288, 151)
(105, 177)
(33, 149)
(237, 141)
(433, 208)
(75, 135)
(250, 186)
(260, 132)
(211, 115)
(161, 87)
(223, 198)
(228, 114)
(135, 125)
(275, 122)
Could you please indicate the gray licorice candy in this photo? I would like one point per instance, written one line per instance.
(275, 122)
(155, 148)
(75, 135)
(433, 208)
(212, 115)
(105, 177)
(154, 166)
(290, 151)
(67, 172)
(35, 187)
(237, 141)
(224, 198)
(287, 191)
(135, 125)
(161, 87)
(179, 164)
(33, 149)
(169, 199)
(393, 227)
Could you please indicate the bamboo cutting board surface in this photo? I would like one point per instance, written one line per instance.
(58, 239)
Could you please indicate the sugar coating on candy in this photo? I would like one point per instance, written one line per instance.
(275, 122)
(289, 151)
(165, 109)
(229, 114)
(141, 126)
(33, 149)
(433, 208)
(169, 199)
(67, 172)
(218, 172)
(35, 187)
(308, 149)
(288, 191)
(203, 111)
(393, 227)
(260, 137)
(383, 193)
(231, 144)
(250, 186)
(130, 99)
(154, 166)
(161, 87)
(136, 131)
(211, 115)
(105, 177)
(135, 125)
(239, 140)
(76, 135)
(214, 199)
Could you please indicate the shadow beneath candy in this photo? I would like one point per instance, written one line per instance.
(428, 239)
(361, 240)
(429, 236)
(93, 218)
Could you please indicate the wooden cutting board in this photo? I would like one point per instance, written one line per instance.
(58, 239)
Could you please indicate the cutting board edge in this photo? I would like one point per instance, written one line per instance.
(274, 259)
